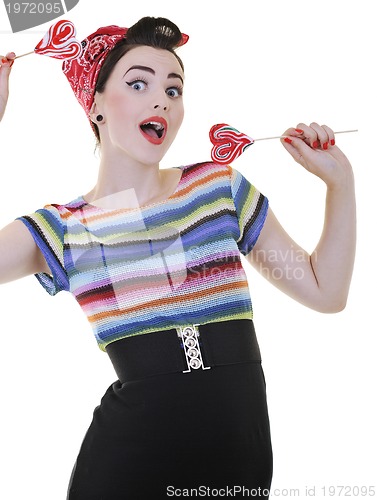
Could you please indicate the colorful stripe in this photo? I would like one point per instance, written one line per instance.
(157, 267)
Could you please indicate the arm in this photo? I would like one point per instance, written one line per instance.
(19, 255)
(321, 280)
(5, 69)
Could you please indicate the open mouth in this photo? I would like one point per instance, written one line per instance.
(154, 130)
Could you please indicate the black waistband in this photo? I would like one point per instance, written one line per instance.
(169, 351)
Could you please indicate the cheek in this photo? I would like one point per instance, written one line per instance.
(179, 116)
(117, 105)
(182, 114)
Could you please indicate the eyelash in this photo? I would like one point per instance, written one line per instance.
(179, 88)
(137, 80)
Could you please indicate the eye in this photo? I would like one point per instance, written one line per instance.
(174, 91)
(137, 84)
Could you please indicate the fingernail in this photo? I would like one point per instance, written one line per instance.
(315, 144)
(299, 130)
(287, 139)
(332, 142)
(325, 145)
(4, 60)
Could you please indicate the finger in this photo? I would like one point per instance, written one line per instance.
(11, 57)
(5, 69)
(323, 138)
(294, 131)
(7, 60)
(301, 152)
(309, 135)
(330, 134)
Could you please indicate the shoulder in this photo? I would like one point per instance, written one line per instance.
(205, 166)
(212, 168)
(52, 218)
(63, 210)
(207, 171)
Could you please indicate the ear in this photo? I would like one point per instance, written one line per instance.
(94, 111)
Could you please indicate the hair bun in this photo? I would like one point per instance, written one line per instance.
(159, 31)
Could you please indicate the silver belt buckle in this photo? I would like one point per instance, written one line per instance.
(190, 339)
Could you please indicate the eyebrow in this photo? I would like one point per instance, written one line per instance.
(150, 70)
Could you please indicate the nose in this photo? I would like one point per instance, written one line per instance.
(161, 100)
(159, 106)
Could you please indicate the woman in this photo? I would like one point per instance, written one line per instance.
(153, 258)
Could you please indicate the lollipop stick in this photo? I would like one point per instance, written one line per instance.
(283, 136)
(345, 131)
(22, 55)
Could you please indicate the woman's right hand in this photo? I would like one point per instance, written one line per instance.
(6, 63)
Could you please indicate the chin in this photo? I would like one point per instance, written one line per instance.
(144, 152)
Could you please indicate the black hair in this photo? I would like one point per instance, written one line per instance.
(156, 32)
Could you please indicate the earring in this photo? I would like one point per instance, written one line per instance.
(99, 118)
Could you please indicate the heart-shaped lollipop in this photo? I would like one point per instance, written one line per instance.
(60, 42)
(228, 143)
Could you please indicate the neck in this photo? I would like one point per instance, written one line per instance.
(125, 183)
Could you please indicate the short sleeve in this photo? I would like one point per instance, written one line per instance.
(47, 229)
(251, 207)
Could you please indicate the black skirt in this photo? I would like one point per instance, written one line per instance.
(162, 435)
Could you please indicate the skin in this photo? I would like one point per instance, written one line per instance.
(129, 175)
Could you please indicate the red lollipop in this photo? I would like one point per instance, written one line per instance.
(59, 42)
(228, 143)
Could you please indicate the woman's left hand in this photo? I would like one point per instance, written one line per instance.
(313, 147)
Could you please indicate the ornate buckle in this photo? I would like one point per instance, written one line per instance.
(190, 340)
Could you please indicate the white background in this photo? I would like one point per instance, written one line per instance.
(261, 66)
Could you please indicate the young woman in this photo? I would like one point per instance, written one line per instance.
(153, 258)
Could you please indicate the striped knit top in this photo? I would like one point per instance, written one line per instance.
(157, 267)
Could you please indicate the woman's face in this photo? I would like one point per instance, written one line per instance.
(142, 104)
